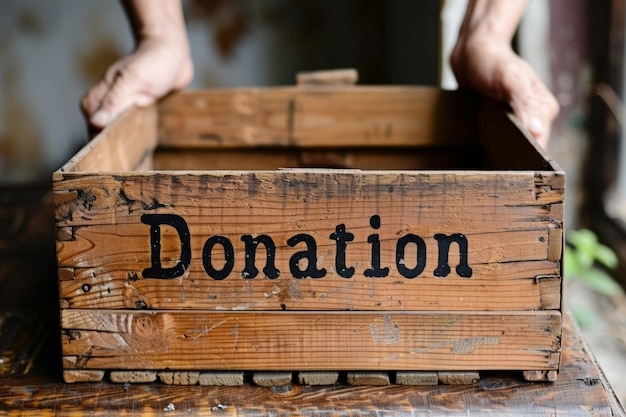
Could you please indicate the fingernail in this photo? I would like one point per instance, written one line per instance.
(100, 118)
(536, 126)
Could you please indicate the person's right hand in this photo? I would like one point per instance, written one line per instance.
(155, 68)
(483, 60)
(491, 67)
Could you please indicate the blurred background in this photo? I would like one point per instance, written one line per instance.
(51, 52)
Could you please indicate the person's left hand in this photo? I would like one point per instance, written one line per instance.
(155, 68)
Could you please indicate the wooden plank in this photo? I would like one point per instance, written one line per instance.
(368, 378)
(494, 287)
(578, 389)
(540, 375)
(458, 377)
(179, 377)
(310, 341)
(107, 238)
(496, 127)
(132, 377)
(272, 379)
(416, 378)
(125, 145)
(348, 76)
(317, 116)
(71, 376)
(318, 378)
(485, 197)
(462, 157)
(223, 378)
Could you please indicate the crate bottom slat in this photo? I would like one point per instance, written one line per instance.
(284, 378)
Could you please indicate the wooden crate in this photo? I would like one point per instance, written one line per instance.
(310, 228)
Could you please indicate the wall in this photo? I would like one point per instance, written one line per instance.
(51, 52)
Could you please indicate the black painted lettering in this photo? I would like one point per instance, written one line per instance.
(250, 271)
(420, 264)
(341, 236)
(229, 257)
(375, 271)
(443, 269)
(178, 223)
(310, 254)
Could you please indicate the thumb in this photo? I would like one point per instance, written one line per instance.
(124, 92)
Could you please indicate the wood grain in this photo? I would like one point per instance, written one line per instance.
(368, 378)
(125, 145)
(416, 378)
(96, 339)
(318, 378)
(579, 389)
(316, 116)
(508, 225)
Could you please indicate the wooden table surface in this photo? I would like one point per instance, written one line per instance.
(31, 382)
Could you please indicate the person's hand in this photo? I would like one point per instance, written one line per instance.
(484, 61)
(495, 70)
(153, 70)
(160, 63)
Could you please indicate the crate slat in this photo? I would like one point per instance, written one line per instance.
(311, 341)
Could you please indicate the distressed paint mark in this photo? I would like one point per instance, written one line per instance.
(390, 332)
(462, 346)
(235, 333)
(375, 333)
(294, 289)
(453, 321)
(197, 333)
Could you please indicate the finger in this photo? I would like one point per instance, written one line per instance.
(90, 102)
(125, 91)
(533, 104)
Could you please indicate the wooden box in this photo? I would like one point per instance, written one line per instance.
(310, 228)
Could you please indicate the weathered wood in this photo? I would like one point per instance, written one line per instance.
(462, 157)
(458, 377)
(222, 378)
(179, 377)
(508, 244)
(522, 152)
(317, 116)
(578, 389)
(25, 289)
(82, 375)
(272, 379)
(348, 76)
(368, 378)
(318, 378)
(125, 145)
(118, 287)
(540, 375)
(310, 341)
(416, 378)
(133, 377)
(339, 251)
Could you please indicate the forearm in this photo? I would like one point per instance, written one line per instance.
(156, 19)
(495, 19)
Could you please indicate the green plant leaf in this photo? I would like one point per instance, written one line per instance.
(584, 259)
(585, 317)
(606, 256)
(583, 240)
(570, 263)
(600, 282)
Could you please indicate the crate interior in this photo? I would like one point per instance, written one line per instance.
(401, 128)
(359, 128)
